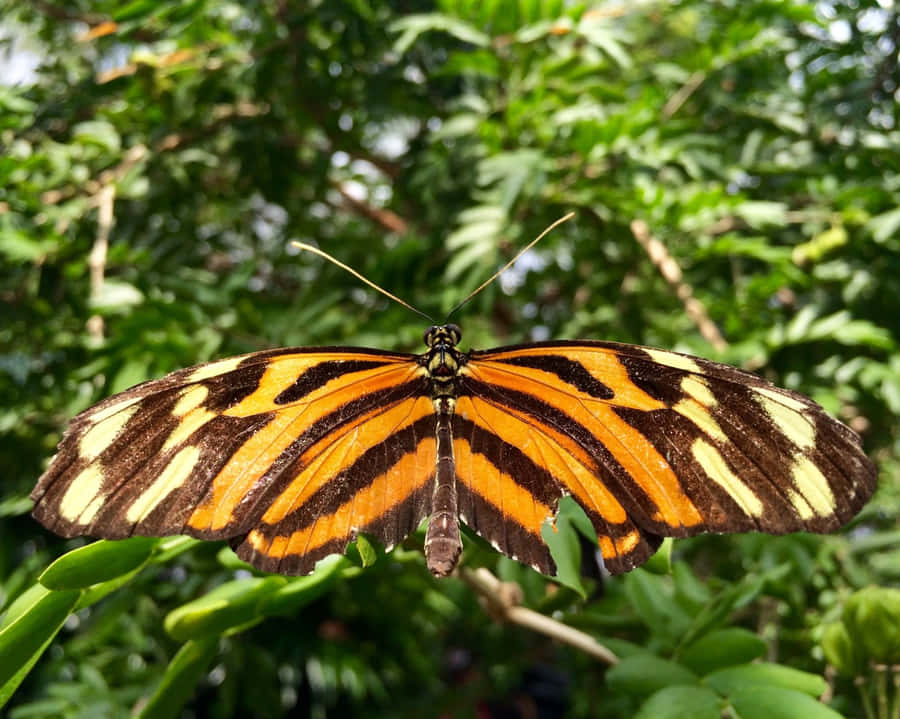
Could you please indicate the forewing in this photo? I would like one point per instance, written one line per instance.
(650, 444)
(254, 449)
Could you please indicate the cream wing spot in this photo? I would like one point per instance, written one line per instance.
(676, 361)
(795, 425)
(696, 387)
(103, 433)
(781, 398)
(811, 483)
(113, 409)
(186, 427)
(192, 417)
(87, 516)
(83, 494)
(698, 400)
(713, 463)
(190, 399)
(214, 369)
(171, 478)
(804, 511)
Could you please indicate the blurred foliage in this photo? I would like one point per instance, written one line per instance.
(422, 144)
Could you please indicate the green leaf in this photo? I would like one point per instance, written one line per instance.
(98, 132)
(885, 226)
(187, 668)
(839, 327)
(367, 553)
(762, 214)
(93, 594)
(644, 674)
(37, 619)
(225, 607)
(607, 37)
(679, 702)
(820, 245)
(767, 702)
(19, 246)
(171, 547)
(300, 591)
(766, 674)
(98, 562)
(841, 651)
(15, 103)
(872, 618)
(723, 648)
(652, 598)
(661, 560)
(115, 296)
(561, 536)
(411, 27)
(458, 126)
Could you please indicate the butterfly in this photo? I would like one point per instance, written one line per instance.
(290, 454)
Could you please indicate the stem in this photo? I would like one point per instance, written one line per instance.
(501, 603)
(866, 699)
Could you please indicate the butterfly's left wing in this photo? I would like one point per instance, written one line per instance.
(649, 443)
(286, 453)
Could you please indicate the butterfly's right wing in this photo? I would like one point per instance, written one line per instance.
(650, 443)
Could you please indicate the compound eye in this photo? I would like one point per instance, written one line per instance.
(455, 332)
(429, 333)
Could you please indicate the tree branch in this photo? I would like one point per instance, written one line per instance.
(502, 599)
(671, 272)
(390, 221)
(105, 200)
(674, 103)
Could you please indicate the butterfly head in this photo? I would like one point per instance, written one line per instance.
(443, 336)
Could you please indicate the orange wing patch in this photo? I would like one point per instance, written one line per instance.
(635, 458)
(263, 448)
(330, 502)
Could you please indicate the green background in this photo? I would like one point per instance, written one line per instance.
(156, 159)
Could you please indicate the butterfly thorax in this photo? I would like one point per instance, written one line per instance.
(443, 360)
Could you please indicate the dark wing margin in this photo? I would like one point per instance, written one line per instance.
(650, 443)
(259, 449)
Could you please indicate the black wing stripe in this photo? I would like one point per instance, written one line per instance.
(321, 374)
(503, 532)
(567, 371)
(606, 468)
(341, 488)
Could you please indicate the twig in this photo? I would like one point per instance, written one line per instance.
(674, 103)
(62, 13)
(221, 115)
(97, 259)
(502, 599)
(107, 177)
(830, 678)
(387, 219)
(866, 699)
(670, 270)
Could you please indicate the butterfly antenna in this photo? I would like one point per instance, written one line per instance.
(564, 218)
(357, 275)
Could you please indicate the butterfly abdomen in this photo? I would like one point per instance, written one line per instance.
(442, 541)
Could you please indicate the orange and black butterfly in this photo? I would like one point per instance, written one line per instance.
(290, 453)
